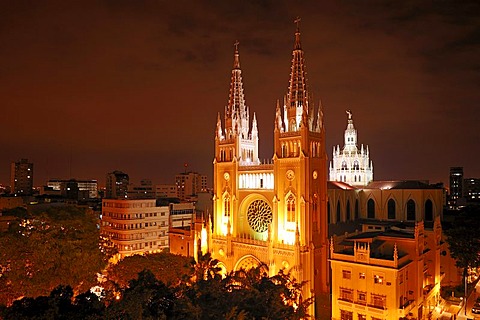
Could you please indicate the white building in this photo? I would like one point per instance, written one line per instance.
(351, 165)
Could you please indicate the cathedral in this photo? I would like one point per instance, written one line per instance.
(275, 212)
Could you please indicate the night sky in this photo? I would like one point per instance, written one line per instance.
(88, 87)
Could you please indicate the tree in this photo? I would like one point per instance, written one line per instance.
(463, 238)
(48, 248)
(167, 267)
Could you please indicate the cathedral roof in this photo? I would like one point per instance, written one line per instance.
(339, 185)
(400, 184)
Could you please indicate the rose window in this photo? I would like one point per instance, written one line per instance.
(259, 215)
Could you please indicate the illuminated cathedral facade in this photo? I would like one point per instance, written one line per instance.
(274, 212)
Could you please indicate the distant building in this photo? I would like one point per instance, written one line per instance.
(144, 190)
(351, 164)
(182, 215)
(117, 185)
(472, 189)
(72, 189)
(21, 178)
(135, 226)
(386, 271)
(456, 184)
(189, 184)
(166, 191)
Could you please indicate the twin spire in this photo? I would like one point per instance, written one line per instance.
(237, 114)
(298, 111)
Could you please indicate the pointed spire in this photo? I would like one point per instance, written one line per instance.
(236, 119)
(254, 125)
(297, 98)
(219, 127)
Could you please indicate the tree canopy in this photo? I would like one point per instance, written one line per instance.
(201, 294)
(47, 248)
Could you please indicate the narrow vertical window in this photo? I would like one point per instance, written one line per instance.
(291, 209)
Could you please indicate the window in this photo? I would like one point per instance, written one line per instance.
(362, 317)
(338, 212)
(411, 210)
(346, 294)
(356, 209)
(291, 208)
(346, 315)
(361, 275)
(401, 279)
(378, 279)
(348, 210)
(378, 301)
(346, 274)
(226, 204)
(361, 297)
(371, 209)
(391, 209)
(428, 210)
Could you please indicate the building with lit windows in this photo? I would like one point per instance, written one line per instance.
(351, 164)
(472, 189)
(166, 191)
(388, 270)
(21, 178)
(73, 188)
(135, 226)
(273, 212)
(189, 184)
(456, 185)
(117, 185)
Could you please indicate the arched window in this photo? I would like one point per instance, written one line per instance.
(391, 209)
(356, 209)
(356, 166)
(428, 210)
(328, 212)
(348, 210)
(291, 208)
(371, 209)
(226, 206)
(339, 218)
(344, 165)
(411, 210)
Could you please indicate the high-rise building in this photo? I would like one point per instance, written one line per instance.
(351, 164)
(189, 184)
(472, 189)
(117, 185)
(456, 184)
(273, 212)
(21, 177)
(145, 190)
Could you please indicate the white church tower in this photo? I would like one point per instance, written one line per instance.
(351, 165)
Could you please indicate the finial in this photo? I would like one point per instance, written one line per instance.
(349, 112)
(297, 34)
(236, 45)
(297, 22)
(236, 62)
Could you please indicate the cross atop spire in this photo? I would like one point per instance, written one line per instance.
(236, 61)
(297, 34)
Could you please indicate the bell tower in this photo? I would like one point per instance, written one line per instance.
(300, 166)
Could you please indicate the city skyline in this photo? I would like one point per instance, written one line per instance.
(136, 86)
